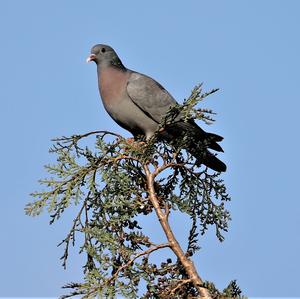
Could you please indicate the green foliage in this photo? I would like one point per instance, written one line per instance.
(231, 291)
(108, 186)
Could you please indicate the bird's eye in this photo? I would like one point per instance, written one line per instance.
(103, 50)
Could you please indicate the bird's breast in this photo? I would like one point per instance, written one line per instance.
(112, 85)
(113, 91)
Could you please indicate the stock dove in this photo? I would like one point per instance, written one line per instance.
(138, 104)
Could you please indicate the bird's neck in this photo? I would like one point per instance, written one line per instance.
(115, 62)
(110, 70)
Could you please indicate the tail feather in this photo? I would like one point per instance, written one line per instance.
(211, 161)
(199, 144)
(205, 157)
(214, 137)
(209, 139)
(215, 146)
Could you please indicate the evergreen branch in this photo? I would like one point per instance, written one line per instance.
(146, 252)
(179, 285)
(77, 137)
(71, 235)
(192, 239)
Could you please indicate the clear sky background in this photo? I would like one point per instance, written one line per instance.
(249, 49)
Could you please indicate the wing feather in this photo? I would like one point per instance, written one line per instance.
(149, 96)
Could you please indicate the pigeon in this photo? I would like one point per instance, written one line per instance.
(138, 104)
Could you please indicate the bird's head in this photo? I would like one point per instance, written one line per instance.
(104, 55)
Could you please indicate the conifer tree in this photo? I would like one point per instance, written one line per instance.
(116, 182)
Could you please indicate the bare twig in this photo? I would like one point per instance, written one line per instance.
(80, 136)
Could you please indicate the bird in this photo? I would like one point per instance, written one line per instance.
(138, 103)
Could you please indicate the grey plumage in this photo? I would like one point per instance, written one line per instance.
(138, 104)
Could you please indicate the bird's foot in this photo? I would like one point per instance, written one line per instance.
(130, 140)
(131, 143)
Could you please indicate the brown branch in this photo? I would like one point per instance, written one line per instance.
(167, 210)
(174, 245)
(122, 157)
(165, 166)
(183, 282)
(93, 291)
(146, 252)
(80, 136)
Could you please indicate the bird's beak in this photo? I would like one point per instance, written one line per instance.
(91, 58)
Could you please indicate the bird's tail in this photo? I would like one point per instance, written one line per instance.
(199, 144)
(211, 161)
(203, 156)
(211, 141)
(200, 150)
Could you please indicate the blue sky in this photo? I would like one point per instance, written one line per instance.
(249, 49)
